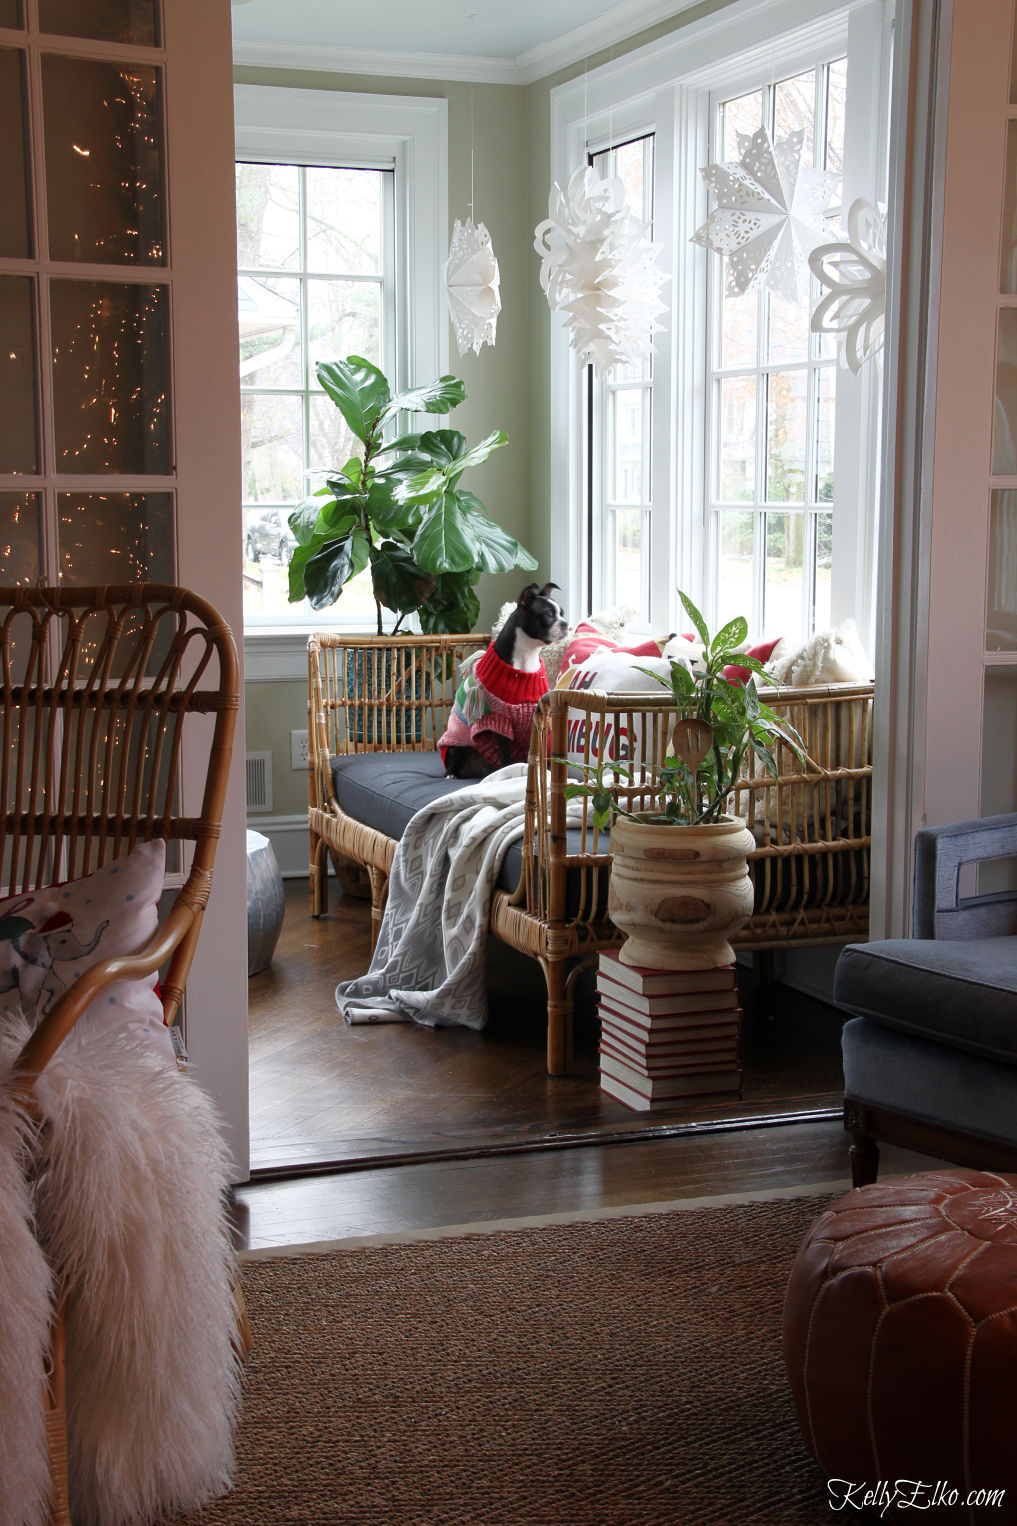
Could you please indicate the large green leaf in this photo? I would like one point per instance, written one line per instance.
(439, 396)
(387, 511)
(298, 561)
(398, 582)
(451, 456)
(479, 453)
(303, 520)
(328, 570)
(358, 389)
(696, 618)
(730, 636)
(498, 550)
(338, 516)
(452, 607)
(446, 540)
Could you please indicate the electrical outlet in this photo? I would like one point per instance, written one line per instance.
(299, 756)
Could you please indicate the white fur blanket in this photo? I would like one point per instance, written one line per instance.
(119, 1197)
(428, 966)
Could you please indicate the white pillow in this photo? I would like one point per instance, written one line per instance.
(51, 936)
(829, 657)
(613, 673)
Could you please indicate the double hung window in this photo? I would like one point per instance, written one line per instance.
(342, 212)
(740, 462)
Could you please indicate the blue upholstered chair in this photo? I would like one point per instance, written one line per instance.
(930, 1056)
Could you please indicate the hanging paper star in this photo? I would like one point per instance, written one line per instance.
(854, 273)
(769, 213)
(598, 265)
(473, 285)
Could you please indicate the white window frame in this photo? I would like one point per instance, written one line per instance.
(406, 134)
(668, 89)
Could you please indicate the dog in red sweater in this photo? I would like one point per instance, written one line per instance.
(492, 716)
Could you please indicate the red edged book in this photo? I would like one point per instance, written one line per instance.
(645, 982)
(672, 1022)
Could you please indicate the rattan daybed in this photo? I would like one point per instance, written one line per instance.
(377, 704)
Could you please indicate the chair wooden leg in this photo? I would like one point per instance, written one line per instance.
(379, 895)
(319, 875)
(559, 1017)
(55, 1399)
(864, 1153)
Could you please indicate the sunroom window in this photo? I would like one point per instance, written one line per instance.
(315, 281)
(772, 393)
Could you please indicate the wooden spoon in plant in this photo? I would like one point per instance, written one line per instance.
(691, 740)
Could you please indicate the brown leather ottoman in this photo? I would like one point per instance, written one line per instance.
(900, 1339)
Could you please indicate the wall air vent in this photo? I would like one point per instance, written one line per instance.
(259, 781)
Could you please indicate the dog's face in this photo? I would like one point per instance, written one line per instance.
(540, 616)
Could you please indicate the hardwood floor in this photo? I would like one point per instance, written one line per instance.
(323, 1092)
(394, 1129)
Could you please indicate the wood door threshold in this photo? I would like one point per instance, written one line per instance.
(297, 1158)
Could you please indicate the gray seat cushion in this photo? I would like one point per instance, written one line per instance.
(929, 1081)
(960, 992)
(384, 789)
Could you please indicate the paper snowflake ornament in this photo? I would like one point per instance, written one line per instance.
(599, 268)
(473, 285)
(853, 270)
(769, 213)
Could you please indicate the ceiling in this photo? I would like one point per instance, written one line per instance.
(514, 42)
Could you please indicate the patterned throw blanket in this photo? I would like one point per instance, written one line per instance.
(428, 966)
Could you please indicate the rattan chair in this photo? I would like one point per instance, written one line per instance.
(109, 696)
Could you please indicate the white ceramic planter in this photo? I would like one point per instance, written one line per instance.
(679, 893)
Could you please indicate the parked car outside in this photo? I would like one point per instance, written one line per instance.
(268, 534)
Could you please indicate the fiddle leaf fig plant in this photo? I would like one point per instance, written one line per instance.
(397, 506)
(717, 721)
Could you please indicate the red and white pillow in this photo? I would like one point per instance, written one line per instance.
(49, 937)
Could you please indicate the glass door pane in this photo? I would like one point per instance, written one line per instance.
(116, 537)
(111, 379)
(15, 234)
(134, 21)
(20, 549)
(10, 14)
(104, 178)
(19, 431)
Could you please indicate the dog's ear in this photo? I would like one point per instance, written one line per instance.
(545, 592)
(529, 593)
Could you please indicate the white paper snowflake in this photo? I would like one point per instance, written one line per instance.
(599, 267)
(768, 213)
(853, 270)
(473, 284)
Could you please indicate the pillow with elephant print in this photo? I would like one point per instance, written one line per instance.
(49, 937)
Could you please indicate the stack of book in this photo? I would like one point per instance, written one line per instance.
(667, 1035)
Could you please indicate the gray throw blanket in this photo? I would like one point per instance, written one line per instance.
(428, 966)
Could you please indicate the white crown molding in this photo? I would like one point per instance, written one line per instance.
(617, 24)
(332, 60)
(622, 22)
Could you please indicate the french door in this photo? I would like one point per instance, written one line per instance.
(119, 405)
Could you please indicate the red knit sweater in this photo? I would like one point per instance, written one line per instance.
(494, 700)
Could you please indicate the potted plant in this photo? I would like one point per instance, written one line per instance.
(680, 884)
(397, 506)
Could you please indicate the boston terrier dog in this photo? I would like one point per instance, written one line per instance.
(493, 713)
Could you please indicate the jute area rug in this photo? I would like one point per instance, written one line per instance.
(622, 1372)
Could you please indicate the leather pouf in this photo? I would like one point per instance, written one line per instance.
(900, 1339)
(265, 903)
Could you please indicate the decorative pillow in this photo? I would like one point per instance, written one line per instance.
(829, 657)
(611, 623)
(762, 652)
(51, 936)
(613, 671)
(587, 640)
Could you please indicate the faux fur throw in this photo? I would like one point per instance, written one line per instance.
(829, 657)
(118, 1197)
